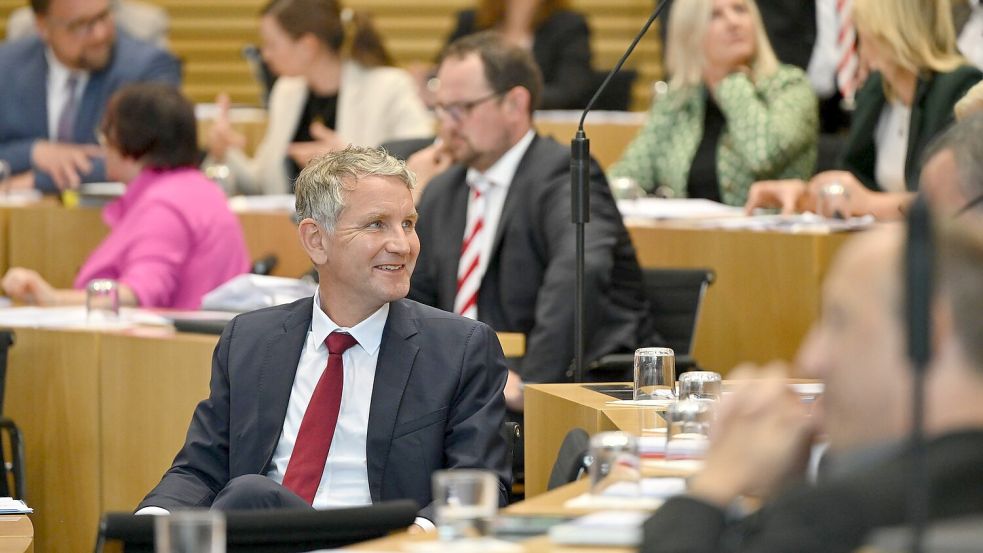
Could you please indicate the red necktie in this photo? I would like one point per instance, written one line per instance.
(468, 276)
(317, 429)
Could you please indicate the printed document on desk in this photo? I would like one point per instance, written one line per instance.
(676, 208)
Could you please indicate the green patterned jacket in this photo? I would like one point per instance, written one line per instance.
(771, 133)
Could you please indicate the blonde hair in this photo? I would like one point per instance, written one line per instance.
(917, 34)
(684, 45)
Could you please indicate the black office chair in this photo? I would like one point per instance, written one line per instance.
(403, 148)
(572, 460)
(261, 72)
(512, 434)
(675, 297)
(13, 469)
(272, 531)
(617, 96)
(265, 264)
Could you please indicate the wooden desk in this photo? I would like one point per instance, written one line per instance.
(766, 294)
(16, 534)
(103, 414)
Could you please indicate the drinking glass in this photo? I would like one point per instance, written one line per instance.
(102, 300)
(626, 188)
(833, 201)
(614, 467)
(655, 373)
(190, 532)
(705, 385)
(466, 501)
(4, 176)
(688, 433)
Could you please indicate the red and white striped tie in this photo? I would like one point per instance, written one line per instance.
(848, 63)
(468, 269)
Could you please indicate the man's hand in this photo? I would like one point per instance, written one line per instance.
(221, 135)
(64, 162)
(513, 391)
(761, 440)
(325, 140)
(790, 195)
(27, 286)
(426, 164)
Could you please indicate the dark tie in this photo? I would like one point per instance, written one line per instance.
(66, 121)
(306, 463)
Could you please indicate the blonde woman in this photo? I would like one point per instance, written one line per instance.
(733, 114)
(336, 87)
(917, 76)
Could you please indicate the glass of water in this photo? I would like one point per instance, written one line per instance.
(102, 300)
(688, 429)
(190, 532)
(833, 201)
(705, 385)
(466, 501)
(655, 373)
(614, 468)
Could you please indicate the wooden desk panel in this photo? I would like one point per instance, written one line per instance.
(53, 394)
(766, 294)
(16, 534)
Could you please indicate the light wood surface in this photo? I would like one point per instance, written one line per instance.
(766, 293)
(16, 534)
(607, 140)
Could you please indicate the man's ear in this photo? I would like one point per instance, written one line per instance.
(312, 240)
(518, 100)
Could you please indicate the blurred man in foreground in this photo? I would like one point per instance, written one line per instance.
(858, 350)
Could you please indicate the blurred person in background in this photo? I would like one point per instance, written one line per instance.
(733, 114)
(172, 237)
(142, 20)
(336, 87)
(917, 77)
(57, 85)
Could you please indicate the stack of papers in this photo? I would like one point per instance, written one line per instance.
(619, 528)
(676, 208)
(11, 506)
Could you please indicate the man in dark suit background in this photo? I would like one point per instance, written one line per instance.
(858, 349)
(57, 87)
(420, 389)
(495, 227)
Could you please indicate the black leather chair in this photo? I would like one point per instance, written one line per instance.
(512, 434)
(675, 297)
(12, 471)
(571, 461)
(271, 531)
(617, 96)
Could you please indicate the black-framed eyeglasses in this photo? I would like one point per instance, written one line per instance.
(460, 110)
(84, 27)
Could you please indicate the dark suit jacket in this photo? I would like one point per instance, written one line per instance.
(561, 48)
(530, 281)
(834, 517)
(23, 97)
(436, 403)
(931, 112)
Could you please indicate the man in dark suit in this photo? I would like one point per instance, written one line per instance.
(419, 390)
(57, 87)
(858, 349)
(495, 227)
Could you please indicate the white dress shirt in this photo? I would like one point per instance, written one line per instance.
(822, 64)
(57, 94)
(971, 37)
(891, 142)
(345, 480)
(499, 177)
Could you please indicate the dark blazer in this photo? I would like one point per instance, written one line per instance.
(436, 403)
(529, 284)
(561, 48)
(834, 517)
(23, 98)
(931, 112)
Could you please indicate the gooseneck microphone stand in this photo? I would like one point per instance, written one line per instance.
(580, 193)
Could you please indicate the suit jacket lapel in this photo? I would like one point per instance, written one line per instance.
(449, 235)
(35, 78)
(396, 357)
(524, 173)
(275, 377)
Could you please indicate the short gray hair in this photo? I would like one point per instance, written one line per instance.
(320, 185)
(965, 140)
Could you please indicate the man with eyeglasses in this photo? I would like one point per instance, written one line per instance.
(57, 86)
(497, 243)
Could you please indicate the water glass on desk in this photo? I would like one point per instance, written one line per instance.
(614, 464)
(704, 385)
(465, 501)
(102, 300)
(655, 373)
(190, 532)
(688, 429)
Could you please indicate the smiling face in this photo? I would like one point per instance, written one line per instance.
(79, 32)
(368, 258)
(729, 40)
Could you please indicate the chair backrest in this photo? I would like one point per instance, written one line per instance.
(571, 459)
(617, 96)
(675, 297)
(273, 531)
(261, 72)
(6, 340)
(512, 434)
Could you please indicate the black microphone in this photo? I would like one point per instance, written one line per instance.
(580, 192)
(919, 260)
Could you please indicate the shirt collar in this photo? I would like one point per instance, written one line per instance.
(503, 171)
(368, 333)
(58, 72)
